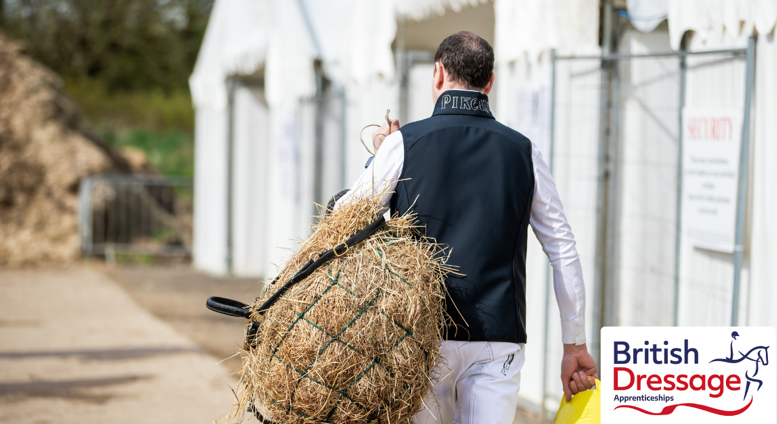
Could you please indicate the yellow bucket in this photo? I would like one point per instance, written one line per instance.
(584, 408)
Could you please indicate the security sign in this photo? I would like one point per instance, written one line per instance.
(689, 374)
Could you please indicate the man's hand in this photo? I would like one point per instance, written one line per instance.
(578, 370)
(381, 133)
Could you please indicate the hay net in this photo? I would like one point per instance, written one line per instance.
(358, 340)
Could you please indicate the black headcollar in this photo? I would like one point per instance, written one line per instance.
(463, 102)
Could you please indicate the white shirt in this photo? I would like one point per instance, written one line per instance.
(547, 220)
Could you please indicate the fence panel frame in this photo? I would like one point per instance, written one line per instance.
(86, 215)
(609, 195)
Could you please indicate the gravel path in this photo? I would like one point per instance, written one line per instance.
(76, 348)
(177, 293)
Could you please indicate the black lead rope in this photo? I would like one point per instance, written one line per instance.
(235, 308)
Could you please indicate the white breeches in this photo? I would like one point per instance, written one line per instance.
(479, 384)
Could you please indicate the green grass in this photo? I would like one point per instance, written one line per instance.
(157, 123)
(169, 152)
(152, 109)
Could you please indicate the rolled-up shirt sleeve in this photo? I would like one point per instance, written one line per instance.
(550, 225)
(382, 174)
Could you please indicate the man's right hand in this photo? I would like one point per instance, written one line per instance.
(379, 135)
(578, 370)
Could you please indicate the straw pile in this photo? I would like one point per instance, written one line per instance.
(46, 149)
(357, 341)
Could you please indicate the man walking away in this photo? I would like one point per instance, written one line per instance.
(476, 185)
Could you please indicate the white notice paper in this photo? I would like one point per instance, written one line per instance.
(711, 148)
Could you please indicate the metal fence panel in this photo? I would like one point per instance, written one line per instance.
(131, 214)
(706, 284)
(648, 134)
(616, 158)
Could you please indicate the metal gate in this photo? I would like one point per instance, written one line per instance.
(135, 215)
(616, 155)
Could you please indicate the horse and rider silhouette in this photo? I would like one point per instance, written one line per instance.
(761, 357)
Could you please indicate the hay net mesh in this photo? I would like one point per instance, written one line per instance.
(358, 340)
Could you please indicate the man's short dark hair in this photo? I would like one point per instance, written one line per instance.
(468, 58)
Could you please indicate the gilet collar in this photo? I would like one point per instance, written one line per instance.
(463, 102)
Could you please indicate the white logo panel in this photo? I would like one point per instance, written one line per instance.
(689, 374)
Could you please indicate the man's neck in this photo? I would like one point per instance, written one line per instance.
(464, 89)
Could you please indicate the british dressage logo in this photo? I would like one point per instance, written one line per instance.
(689, 374)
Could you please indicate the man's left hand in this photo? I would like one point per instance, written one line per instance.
(578, 370)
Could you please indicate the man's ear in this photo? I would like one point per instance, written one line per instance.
(490, 84)
(439, 75)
